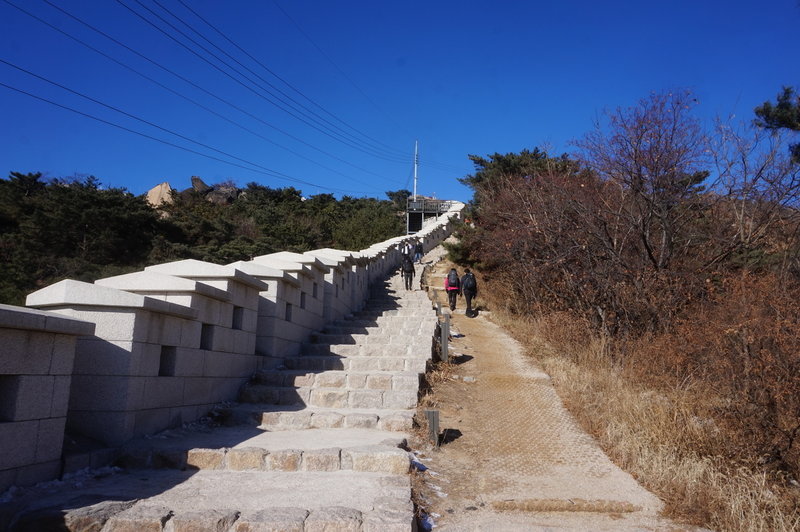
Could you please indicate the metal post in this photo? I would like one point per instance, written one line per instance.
(416, 161)
(445, 338)
(433, 425)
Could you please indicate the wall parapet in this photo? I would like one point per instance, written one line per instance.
(153, 349)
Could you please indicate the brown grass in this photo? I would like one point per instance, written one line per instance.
(665, 438)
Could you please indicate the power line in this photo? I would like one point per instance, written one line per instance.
(331, 61)
(233, 78)
(193, 84)
(134, 117)
(376, 142)
(268, 172)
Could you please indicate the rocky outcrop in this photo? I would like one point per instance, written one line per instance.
(222, 194)
(199, 185)
(160, 194)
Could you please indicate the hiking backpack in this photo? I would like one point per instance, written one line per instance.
(469, 282)
(452, 279)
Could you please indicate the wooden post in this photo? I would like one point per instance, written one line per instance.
(433, 425)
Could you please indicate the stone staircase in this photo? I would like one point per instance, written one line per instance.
(315, 444)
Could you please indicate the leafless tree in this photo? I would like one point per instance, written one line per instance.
(655, 153)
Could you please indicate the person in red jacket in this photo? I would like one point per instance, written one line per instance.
(452, 284)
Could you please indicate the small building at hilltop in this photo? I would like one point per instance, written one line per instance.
(421, 209)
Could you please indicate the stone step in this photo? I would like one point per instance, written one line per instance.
(226, 500)
(339, 379)
(385, 320)
(343, 397)
(382, 328)
(369, 313)
(420, 301)
(382, 337)
(246, 448)
(323, 362)
(277, 418)
(416, 349)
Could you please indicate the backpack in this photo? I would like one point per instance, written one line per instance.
(407, 265)
(452, 279)
(469, 283)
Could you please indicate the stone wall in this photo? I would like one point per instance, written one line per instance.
(38, 349)
(157, 348)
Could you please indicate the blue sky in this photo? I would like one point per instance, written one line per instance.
(466, 77)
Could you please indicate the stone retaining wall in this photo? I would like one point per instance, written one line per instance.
(157, 348)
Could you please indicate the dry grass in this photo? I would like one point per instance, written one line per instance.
(665, 439)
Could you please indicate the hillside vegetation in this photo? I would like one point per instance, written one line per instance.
(656, 275)
(51, 229)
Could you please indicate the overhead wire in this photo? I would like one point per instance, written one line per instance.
(223, 100)
(270, 173)
(332, 62)
(376, 143)
(197, 86)
(142, 120)
(234, 78)
(322, 52)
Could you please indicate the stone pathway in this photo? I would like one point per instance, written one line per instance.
(317, 444)
(513, 458)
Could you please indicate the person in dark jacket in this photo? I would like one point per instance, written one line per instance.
(418, 251)
(469, 287)
(407, 271)
(452, 284)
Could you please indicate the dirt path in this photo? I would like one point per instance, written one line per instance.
(513, 458)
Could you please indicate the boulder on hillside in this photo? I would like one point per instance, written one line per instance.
(200, 186)
(160, 194)
(223, 194)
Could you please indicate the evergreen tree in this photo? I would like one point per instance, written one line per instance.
(783, 115)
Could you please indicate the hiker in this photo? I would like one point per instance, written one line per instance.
(452, 284)
(418, 251)
(407, 271)
(408, 249)
(469, 287)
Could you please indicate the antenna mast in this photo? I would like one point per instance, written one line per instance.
(416, 161)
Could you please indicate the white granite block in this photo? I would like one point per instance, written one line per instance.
(243, 342)
(33, 398)
(226, 316)
(197, 390)
(50, 437)
(114, 325)
(151, 421)
(96, 356)
(190, 334)
(148, 357)
(105, 393)
(162, 392)
(63, 358)
(17, 447)
(250, 318)
(60, 404)
(223, 340)
(329, 398)
(112, 428)
(365, 399)
(400, 399)
(25, 352)
(189, 362)
(35, 473)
